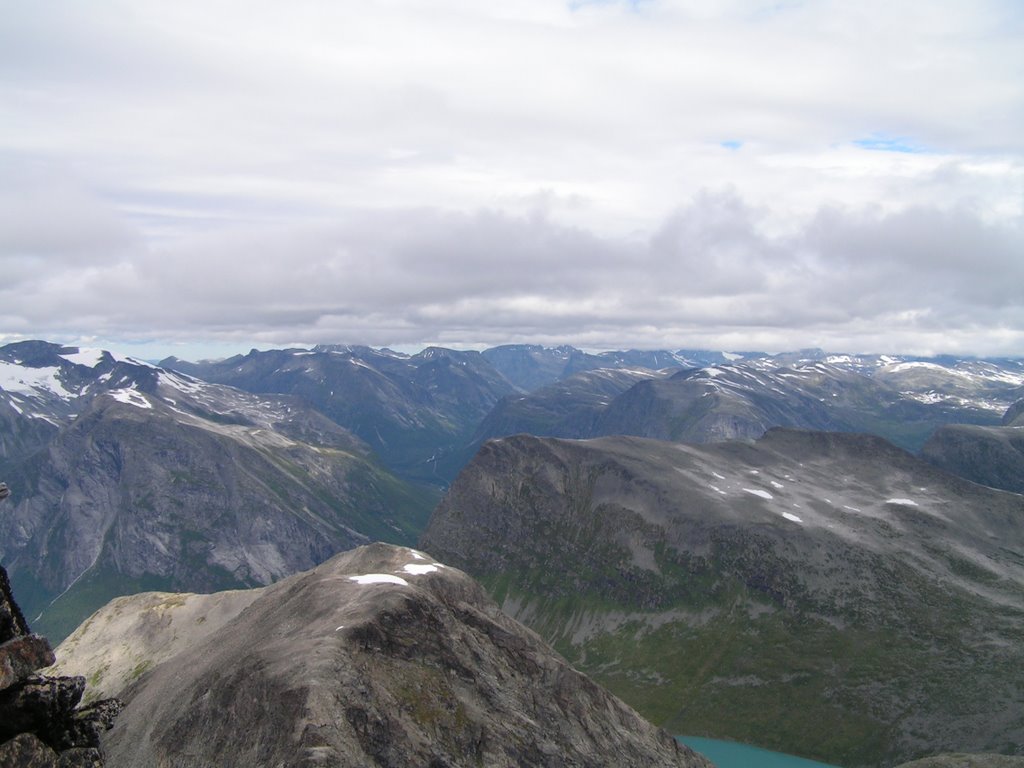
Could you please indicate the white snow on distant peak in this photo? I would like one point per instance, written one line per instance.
(361, 364)
(852, 509)
(379, 578)
(716, 489)
(90, 358)
(792, 517)
(131, 397)
(416, 555)
(730, 356)
(131, 360)
(181, 382)
(837, 359)
(418, 569)
(902, 502)
(720, 477)
(758, 492)
(32, 381)
(776, 484)
(922, 364)
(713, 372)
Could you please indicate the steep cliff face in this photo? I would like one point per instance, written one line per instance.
(819, 593)
(380, 656)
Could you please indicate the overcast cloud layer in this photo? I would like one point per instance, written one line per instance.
(189, 176)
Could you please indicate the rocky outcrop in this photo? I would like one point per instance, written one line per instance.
(40, 722)
(379, 657)
(992, 456)
(1014, 416)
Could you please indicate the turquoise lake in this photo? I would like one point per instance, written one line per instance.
(729, 754)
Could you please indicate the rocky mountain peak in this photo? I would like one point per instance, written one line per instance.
(379, 656)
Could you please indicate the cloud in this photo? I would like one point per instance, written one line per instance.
(712, 271)
(662, 173)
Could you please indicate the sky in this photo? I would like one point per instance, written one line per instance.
(200, 178)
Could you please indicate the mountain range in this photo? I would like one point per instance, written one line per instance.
(820, 591)
(132, 477)
(903, 401)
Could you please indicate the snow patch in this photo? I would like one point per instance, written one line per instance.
(32, 381)
(730, 356)
(718, 476)
(792, 517)
(130, 397)
(418, 569)
(716, 489)
(132, 361)
(902, 502)
(776, 484)
(90, 358)
(758, 492)
(379, 578)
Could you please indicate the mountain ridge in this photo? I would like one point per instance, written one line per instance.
(379, 656)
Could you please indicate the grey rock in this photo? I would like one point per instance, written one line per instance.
(380, 656)
(992, 456)
(27, 751)
(745, 589)
(1014, 416)
(21, 656)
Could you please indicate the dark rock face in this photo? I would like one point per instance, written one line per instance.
(378, 657)
(39, 722)
(1014, 416)
(992, 456)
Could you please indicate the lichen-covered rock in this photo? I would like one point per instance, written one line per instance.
(27, 751)
(21, 656)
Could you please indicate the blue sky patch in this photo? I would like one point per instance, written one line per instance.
(883, 142)
(731, 144)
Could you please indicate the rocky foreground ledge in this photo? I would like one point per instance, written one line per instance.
(40, 722)
(378, 657)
